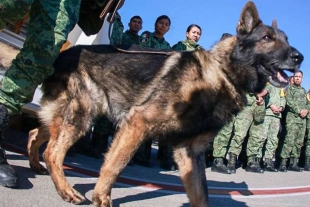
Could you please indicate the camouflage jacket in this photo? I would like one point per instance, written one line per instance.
(148, 39)
(129, 38)
(117, 31)
(186, 45)
(308, 104)
(296, 99)
(276, 97)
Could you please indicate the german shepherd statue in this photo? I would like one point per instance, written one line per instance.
(182, 98)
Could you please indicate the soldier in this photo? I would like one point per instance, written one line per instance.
(45, 36)
(307, 141)
(156, 39)
(193, 34)
(249, 119)
(48, 28)
(297, 111)
(131, 36)
(117, 31)
(221, 141)
(95, 143)
(291, 80)
(220, 146)
(118, 27)
(275, 104)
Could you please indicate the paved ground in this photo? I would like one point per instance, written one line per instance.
(150, 187)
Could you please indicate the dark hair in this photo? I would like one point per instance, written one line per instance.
(225, 35)
(162, 17)
(191, 26)
(299, 72)
(135, 17)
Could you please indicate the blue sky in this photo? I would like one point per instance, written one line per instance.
(218, 16)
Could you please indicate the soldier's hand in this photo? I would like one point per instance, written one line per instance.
(274, 109)
(303, 113)
(259, 100)
(281, 108)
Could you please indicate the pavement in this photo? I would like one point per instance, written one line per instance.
(139, 186)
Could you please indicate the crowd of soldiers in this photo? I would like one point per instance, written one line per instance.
(273, 129)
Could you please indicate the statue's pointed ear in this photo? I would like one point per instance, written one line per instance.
(249, 19)
(274, 24)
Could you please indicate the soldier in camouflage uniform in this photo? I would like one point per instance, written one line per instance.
(307, 137)
(156, 39)
(48, 28)
(46, 32)
(103, 128)
(117, 31)
(297, 111)
(193, 34)
(248, 120)
(118, 28)
(220, 146)
(275, 104)
(131, 36)
(221, 141)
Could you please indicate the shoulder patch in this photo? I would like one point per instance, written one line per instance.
(145, 37)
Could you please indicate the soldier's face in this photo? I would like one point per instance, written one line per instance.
(297, 78)
(193, 34)
(135, 25)
(162, 26)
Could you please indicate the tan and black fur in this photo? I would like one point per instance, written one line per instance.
(181, 98)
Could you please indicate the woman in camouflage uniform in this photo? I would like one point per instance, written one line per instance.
(193, 34)
(156, 40)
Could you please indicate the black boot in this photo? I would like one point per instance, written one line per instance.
(293, 166)
(219, 166)
(269, 165)
(307, 164)
(232, 163)
(282, 167)
(84, 146)
(253, 165)
(167, 161)
(8, 176)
